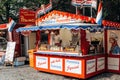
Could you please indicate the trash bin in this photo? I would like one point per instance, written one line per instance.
(31, 59)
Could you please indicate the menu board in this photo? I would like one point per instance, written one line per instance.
(91, 66)
(113, 63)
(42, 62)
(73, 66)
(56, 64)
(10, 51)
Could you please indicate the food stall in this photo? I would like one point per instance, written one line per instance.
(79, 50)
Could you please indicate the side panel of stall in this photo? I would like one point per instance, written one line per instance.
(95, 65)
(113, 63)
(113, 58)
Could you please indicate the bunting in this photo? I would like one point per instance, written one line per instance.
(44, 9)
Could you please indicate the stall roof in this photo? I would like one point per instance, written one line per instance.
(82, 18)
(58, 19)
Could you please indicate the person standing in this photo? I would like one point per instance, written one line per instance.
(57, 39)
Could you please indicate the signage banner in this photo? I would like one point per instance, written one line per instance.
(57, 21)
(41, 62)
(56, 64)
(92, 3)
(73, 66)
(9, 55)
(27, 17)
(100, 63)
(91, 66)
(113, 63)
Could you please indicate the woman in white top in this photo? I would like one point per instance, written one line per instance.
(57, 39)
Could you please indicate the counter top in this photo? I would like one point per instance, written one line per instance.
(70, 54)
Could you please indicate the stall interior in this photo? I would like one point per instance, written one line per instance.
(96, 41)
(65, 40)
(60, 40)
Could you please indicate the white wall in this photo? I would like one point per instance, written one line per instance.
(32, 40)
(66, 35)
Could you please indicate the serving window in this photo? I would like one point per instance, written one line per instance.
(44, 37)
(60, 40)
(70, 41)
(96, 41)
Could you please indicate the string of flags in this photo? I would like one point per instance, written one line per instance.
(44, 9)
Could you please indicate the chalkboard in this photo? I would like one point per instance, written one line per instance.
(9, 55)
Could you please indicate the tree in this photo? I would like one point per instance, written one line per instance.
(111, 10)
(10, 8)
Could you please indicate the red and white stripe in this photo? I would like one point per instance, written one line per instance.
(99, 14)
(11, 25)
(44, 9)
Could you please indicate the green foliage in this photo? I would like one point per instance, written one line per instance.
(111, 10)
(10, 8)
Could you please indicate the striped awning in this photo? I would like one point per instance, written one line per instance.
(3, 26)
(60, 26)
(31, 28)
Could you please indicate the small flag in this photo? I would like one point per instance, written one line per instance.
(11, 25)
(40, 11)
(99, 14)
(44, 9)
(48, 7)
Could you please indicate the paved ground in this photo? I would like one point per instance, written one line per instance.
(28, 73)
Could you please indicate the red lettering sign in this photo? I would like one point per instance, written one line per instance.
(102, 64)
(72, 67)
(91, 67)
(56, 60)
(41, 63)
(27, 17)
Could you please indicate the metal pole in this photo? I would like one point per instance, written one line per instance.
(76, 10)
(83, 10)
(91, 11)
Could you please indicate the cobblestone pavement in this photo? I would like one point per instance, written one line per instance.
(28, 73)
